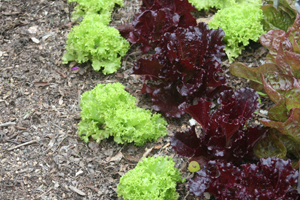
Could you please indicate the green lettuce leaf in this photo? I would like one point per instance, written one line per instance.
(92, 40)
(240, 23)
(220, 4)
(108, 110)
(152, 178)
(102, 7)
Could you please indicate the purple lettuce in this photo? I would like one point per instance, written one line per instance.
(156, 18)
(223, 136)
(186, 65)
(271, 178)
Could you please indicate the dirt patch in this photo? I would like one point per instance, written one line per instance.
(41, 156)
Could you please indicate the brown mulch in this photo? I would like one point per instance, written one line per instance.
(41, 156)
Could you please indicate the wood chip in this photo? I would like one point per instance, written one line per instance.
(131, 158)
(20, 128)
(117, 157)
(40, 84)
(146, 153)
(8, 124)
(74, 189)
(35, 40)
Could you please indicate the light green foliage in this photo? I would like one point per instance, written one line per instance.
(151, 179)
(95, 41)
(220, 4)
(103, 7)
(240, 23)
(108, 110)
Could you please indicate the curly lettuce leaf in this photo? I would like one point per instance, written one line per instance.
(92, 40)
(102, 7)
(240, 23)
(220, 4)
(270, 178)
(152, 178)
(108, 110)
(156, 18)
(186, 64)
(223, 136)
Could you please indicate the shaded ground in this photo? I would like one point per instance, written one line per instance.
(39, 109)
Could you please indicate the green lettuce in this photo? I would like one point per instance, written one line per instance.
(95, 41)
(103, 7)
(108, 110)
(151, 179)
(220, 4)
(240, 23)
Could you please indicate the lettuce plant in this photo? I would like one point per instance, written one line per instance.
(270, 178)
(156, 18)
(92, 40)
(102, 7)
(281, 18)
(108, 110)
(223, 136)
(220, 4)
(152, 178)
(240, 23)
(280, 78)
(185, 67)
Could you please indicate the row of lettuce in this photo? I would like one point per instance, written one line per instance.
(184, 75)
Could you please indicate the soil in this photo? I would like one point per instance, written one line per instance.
(41, 156)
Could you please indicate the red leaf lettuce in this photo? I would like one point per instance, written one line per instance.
(156, 18)
(271, 178)
(280, 78)
(223, 136)
(186, 66)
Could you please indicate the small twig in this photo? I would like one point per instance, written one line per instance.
(63, 75)
(20, 145)
(11, 137)
(186, 195)
(8, 124)
(13, 142)
(60, 143)
(47, 191)
(56, 126)
(147, 153)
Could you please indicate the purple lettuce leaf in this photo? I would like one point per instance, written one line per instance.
(187, 66)
(156, 18)
(166, 99)
(223, 136)
(235, 110)
(271, 178)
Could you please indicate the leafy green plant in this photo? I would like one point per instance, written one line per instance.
(103, 7)
(280, 18)
(108, 110)
(220, 4)
(95, 41)
(152, 179)
(240, 23)
(280, 78)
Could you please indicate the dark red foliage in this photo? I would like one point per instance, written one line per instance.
(271, 178)
(186, 64)
(223, 135)
(156, 18)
